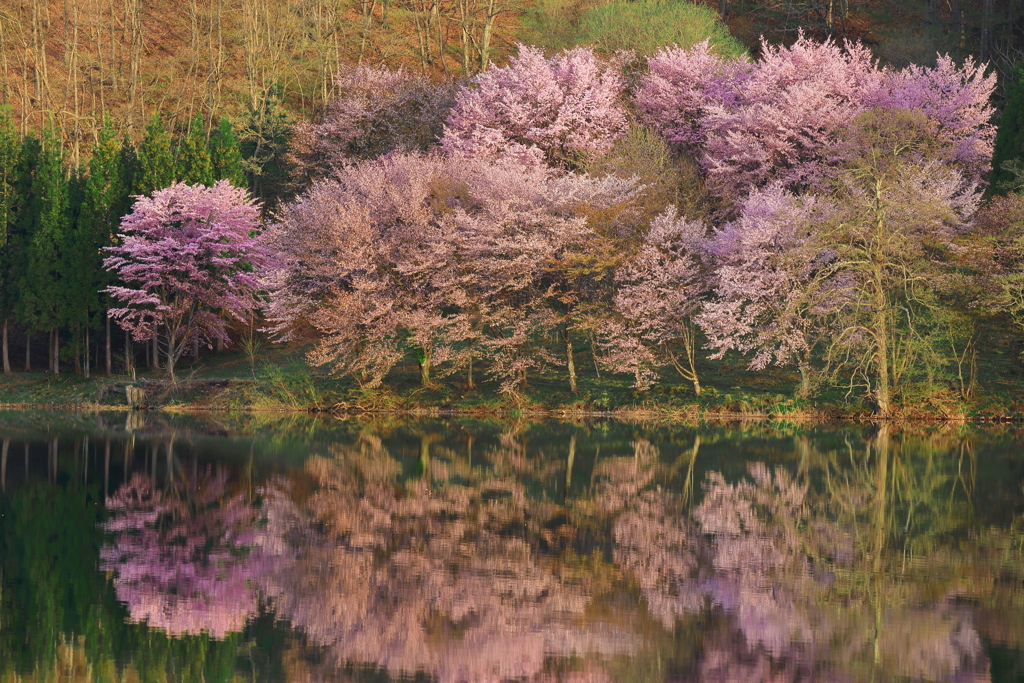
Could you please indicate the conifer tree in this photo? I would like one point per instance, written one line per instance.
(1009, 145)
(20, 235)
(226, 156)
(10, 152)
(104, 195)
(42, 294)
(155, 169)
(193, 159)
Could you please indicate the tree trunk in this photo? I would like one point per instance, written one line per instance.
(425, 368)
(805, 381)
(570, 360)
(28, 352)
(883, 390)
(56, 352)
(170, 357)
(156, 350)
(87, 359)
(7, 358)
(469, 382)
(110, 359)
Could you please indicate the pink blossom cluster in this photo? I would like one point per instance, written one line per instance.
(558, 110)
(188, 259)
(777, 119)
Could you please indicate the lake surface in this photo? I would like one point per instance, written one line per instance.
(254, 548)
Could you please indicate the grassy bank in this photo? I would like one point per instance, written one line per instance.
(280, 380)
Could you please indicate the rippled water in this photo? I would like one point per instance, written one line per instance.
(241, 548)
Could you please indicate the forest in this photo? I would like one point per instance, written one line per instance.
(511, 195)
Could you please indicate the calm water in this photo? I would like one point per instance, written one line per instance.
(262, 549)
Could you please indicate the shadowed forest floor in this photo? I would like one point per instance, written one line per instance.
(281, 379)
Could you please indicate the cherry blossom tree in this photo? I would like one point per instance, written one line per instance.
(765, 275)
(365, 261)
(376, 111)
(860, 272)
(779, 119)
(188, 258)
(434, 256)
(956, 100)
(658, 293)
(559, 110)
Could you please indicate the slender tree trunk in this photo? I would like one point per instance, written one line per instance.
(570, 360)
(87, 359)
(110, 358)
(28, 351)
(7, 358)
(469, 379)
(56, 352)
(156, 350)
(170, 357)
(3, 464)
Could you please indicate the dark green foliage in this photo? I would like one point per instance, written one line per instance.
(225, 154)
(155, 168)
(193, 159)
(103, 195)
(264, 146)
(1009, 146)
(10, 156)
(46, 230)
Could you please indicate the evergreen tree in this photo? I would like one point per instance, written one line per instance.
(1009, 145)
(19, 236)
(226, 156)
(10, 154)
(155, 168)
(41, 303)
(193, 159)
(104, 194)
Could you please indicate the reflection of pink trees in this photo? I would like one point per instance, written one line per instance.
(805, 599)
(181, 557)
(433, 575)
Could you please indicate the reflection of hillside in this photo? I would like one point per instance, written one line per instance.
(436, 574)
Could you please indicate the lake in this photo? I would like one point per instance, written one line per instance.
(149, 547)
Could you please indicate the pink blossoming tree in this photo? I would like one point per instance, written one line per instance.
(442, 258)
(559, 110)
(377, 111)
(778, 119)
(187, 259)
(766, 265)
(658, 293)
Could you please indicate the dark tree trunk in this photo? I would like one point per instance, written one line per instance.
(110, 358)
(7, 357)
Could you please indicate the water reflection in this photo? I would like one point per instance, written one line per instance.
(488, 551)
